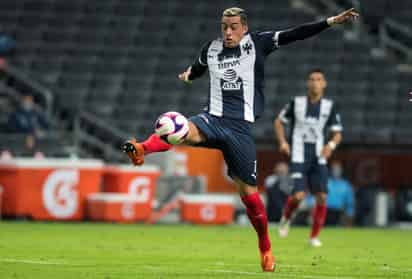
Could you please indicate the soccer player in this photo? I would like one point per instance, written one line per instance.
(236, 67)
(310, 118)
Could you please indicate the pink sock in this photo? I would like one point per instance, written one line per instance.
(319, 216)
(290, 207)
(257, 215)
(155, 144)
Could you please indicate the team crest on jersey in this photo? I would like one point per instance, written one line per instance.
(247, 47)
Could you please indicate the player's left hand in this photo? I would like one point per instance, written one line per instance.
(327, 152)
(185, 75)
(343, 17)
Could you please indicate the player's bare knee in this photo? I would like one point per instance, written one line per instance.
(194, 136)
(243, 188)
(299, 196)
(321, 198)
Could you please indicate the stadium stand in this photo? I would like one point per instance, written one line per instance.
(119, 60)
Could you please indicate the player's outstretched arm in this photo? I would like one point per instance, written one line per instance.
(307, 30)
(346, 16)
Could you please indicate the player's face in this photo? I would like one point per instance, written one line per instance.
(233, 30)
(316, 84)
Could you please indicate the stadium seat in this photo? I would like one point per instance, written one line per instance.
(129, 53)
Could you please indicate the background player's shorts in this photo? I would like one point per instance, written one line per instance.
(310, 173)
(233, 137)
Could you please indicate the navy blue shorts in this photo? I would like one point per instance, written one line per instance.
(233, 137)
(311, 173)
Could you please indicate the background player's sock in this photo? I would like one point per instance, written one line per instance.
(289, 208)
(155, 144)
(319, 216)
(257, 215)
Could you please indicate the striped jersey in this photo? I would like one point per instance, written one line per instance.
(237, 75)
(309, 123)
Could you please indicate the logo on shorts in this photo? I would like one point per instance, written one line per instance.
(254, 169)
(296, 175)
(204, 118)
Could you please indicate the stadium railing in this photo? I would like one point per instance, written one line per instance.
(27, 84)
(396, 36)
(98, 137)
(327, 7)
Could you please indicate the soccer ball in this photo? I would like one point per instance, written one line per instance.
(172, 127)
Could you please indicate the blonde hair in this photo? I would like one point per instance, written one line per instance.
(235, 11)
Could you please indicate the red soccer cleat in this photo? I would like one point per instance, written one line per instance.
(267, 261)
(135, 151)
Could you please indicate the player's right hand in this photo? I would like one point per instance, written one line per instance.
(185, 75)
(284, 148)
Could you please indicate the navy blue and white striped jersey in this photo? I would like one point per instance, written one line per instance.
(309, 123)
(237, 74)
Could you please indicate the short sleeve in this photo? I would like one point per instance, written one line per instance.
(286, 115)
(270, 181)
(334, 122)
(269, 40)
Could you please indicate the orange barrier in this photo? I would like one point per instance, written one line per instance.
(122, 208)
(207, 209)
(48, 189)
(208, 163)
(139, 182)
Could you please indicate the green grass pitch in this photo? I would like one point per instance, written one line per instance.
(108, 251)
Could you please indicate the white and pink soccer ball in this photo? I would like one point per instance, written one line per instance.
(172, 127)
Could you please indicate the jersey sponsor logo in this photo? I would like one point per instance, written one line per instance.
(231, 64)
(60, 194)
(230, 75)
(231, 81)
(311, 131)
(231, 86)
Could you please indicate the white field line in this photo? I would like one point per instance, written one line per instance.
(38, 262)
(297, 266)
(151, 267)
(277, 273)
(232, 272)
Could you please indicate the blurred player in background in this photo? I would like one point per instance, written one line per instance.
(310, 118)
(236, 68)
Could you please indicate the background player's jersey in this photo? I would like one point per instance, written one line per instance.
(309, 125)
(237, 75)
